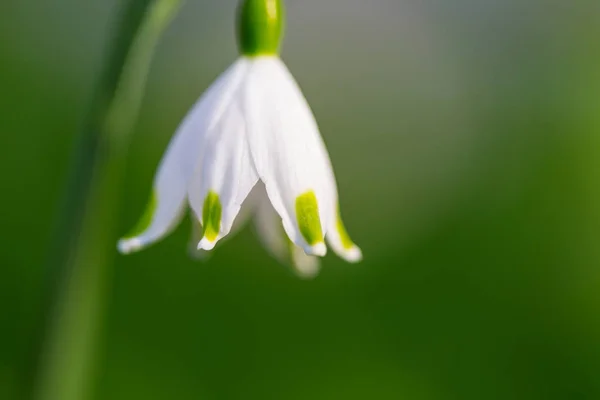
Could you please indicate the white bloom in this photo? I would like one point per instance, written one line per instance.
(253, 124)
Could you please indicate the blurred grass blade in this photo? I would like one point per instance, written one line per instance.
(124, 108)
(85, 242)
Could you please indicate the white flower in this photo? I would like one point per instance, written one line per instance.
(252, 125)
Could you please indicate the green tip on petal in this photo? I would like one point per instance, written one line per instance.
(146, 219)
(307, 215)
(211, 216)
(260, 27)
(347, 243)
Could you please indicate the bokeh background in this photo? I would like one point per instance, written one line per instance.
(465, 135)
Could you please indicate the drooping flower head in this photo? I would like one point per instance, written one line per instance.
(251, 146)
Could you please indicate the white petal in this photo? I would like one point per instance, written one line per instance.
(288, 153)
(271, 234)
(337, 236)
(246, 212)
(340, 241)
(167, 203)
(225, 174)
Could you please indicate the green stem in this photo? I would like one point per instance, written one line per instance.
(85, 244)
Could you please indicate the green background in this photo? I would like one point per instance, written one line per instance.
(465, 137)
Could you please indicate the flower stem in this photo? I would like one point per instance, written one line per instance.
(79, 267)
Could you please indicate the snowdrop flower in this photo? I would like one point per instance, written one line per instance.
(252, 131)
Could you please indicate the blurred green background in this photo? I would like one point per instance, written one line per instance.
(465, 135)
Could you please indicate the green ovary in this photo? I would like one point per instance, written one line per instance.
(211, 216)
(307, 215)
(260, 27)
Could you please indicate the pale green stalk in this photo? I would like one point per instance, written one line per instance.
(86, 241)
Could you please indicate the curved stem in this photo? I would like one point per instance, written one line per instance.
(85, 242)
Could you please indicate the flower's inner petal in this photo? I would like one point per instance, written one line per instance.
(288, 153)
(271, 233)
(304, 265)
(167, 204)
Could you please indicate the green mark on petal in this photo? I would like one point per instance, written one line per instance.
(146, 219)
(341, 229)
(260, 27)
(211, 216)
(307, 215)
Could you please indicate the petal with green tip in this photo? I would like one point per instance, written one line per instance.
(177, 166)
(307, 215)
(211, 216)
(340, 241)
(225, 168)
(287, 150)
(272, 235)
